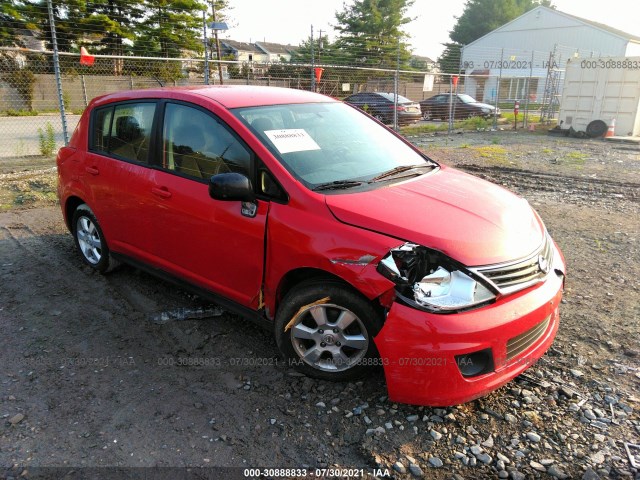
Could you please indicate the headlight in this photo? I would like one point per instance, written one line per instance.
(430, 280)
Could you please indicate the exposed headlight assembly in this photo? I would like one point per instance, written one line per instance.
(430, 280)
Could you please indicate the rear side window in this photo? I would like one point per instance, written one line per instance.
(124, 130)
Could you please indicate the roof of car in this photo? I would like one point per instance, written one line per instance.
(230, 96)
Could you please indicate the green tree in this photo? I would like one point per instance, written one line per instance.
(10, 22)
(483, 16)
(68, 15)
(113, 22)
(323, 51)
(171, 28)
(371, 32)
(449, 60)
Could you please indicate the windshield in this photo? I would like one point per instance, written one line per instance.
(467, 99)
(322, 143)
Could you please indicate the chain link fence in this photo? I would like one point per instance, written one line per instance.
(31, 123)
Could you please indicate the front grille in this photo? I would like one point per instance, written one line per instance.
(519, 344)
(513, 276)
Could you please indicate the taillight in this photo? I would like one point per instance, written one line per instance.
(400, 108)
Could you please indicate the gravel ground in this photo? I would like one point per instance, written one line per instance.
(126, 370)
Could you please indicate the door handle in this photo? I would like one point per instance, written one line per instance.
(161, 192)
(92, 170)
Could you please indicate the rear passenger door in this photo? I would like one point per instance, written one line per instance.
(118, 174)
(211, 243)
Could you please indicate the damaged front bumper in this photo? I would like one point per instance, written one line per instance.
(441, 360)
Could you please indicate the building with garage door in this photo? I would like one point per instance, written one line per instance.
(527, 56)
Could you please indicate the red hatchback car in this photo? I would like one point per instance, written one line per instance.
(305, 214)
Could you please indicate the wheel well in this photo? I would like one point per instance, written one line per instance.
(305, 275)
(70, 207)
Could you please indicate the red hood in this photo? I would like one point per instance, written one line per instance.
(468, 219)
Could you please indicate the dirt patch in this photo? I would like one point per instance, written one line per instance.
(91, 377)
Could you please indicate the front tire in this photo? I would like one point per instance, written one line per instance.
(90, 240)
(325, 330)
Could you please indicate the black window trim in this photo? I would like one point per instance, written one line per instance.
(112, 106)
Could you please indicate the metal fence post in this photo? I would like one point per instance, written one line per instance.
(495, 112)
(396, 88)
(56, 69)
(525, 120)
(206, 50)
(84, 90)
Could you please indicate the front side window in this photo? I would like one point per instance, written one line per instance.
(197, 145)
(323, 143)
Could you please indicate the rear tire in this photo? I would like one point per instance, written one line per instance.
(90, 240)
(325, 330)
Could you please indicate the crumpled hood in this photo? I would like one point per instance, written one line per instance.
(465, 217)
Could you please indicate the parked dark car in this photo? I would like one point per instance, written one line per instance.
(380, 105)
(464, 106)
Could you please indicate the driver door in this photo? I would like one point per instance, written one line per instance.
(215, 244)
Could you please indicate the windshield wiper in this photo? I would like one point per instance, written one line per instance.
(336, 185)
(401, 169)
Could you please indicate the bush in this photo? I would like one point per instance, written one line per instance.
(23, 81)
(47, 140)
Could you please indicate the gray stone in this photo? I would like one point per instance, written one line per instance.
(516, 475)
(500, 465)
(555, 471)
(435, 462)
(488, 443)
(589, 415)
(471, 430)
(503, 458)
(435, 435)
(388, 425)
(399, 467)
(485, 458)
(510, 418)
(547, 461)
(589, 474)
(533, 437)
(412, 418)
(476, 449)
(367, 420)
(537, 466)
(16, 419)
(321, 405)
(503, 474)
(473, 462)
(459, 455)
(415, 470)
(598, 457)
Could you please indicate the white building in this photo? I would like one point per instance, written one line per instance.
(522, 52)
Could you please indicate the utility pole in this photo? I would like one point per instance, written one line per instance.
(215, 34)
(56, 68)
(320, 48)
(206, 50)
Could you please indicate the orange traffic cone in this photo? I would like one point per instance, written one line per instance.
(85, 58)
(612, 129)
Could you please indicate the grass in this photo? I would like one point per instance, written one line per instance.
(473, 123)
(574, 158)
(28, 190)
(21, 113)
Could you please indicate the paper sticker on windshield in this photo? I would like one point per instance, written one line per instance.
(292, 140)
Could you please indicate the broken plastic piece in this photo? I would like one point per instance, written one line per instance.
(186, 314)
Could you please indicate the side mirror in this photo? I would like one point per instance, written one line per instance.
(230, 187)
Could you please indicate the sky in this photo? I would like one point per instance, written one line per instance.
(289, 21)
